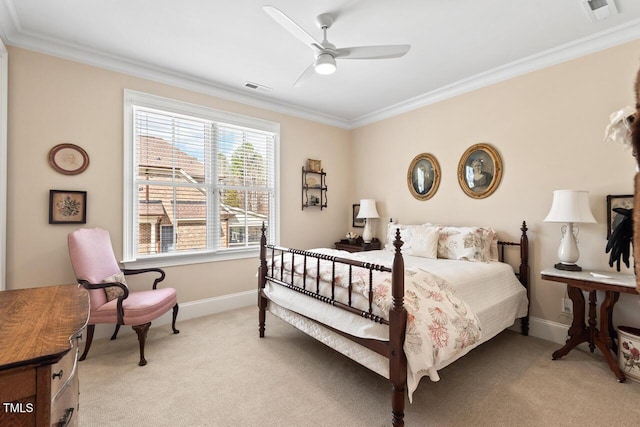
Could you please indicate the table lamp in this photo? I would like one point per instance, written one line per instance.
(570, 206)
(368, 211)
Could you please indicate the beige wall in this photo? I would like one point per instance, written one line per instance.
(53, 101)
(548, 127)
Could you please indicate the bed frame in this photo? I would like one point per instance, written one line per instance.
(392, 349)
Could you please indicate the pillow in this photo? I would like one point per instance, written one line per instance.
(466, 243)
(406, 234)
(424, 242)
(114, 292)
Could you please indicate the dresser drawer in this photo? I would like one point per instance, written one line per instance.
(64, 407)
(18, 397)
(16, 384)
(65, 368)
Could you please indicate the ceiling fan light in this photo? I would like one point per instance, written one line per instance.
(325, 64)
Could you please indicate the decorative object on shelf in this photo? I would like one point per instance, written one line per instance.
(351, 237)
(68, 159)
(619, 229)
(357, 222)
(480, 171)
(570, 206)
(613, 217)
(314, 165)
(67, 207)
(423, 176)
(620, 241)
(368, 212)
(314, 188)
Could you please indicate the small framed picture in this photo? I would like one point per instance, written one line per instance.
(615, 202)
(68, 159)
(67, 207)
(423, 176)
(357, 222)
(314, 165)
(480, 171)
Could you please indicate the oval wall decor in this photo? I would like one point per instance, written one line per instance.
(68, 159)
(480, 171)
(423, 176)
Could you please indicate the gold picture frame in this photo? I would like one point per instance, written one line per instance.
(67, 207)
(480, 171)
(423, 176)
(313, 165)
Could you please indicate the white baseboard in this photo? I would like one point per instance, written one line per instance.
(539, 328)
(548, 330)
(190, 310)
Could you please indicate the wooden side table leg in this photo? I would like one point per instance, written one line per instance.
(592, 330)
(578, 330)
(607, 330)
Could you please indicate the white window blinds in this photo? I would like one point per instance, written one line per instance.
(199, 183)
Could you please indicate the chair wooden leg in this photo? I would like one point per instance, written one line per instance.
(175, 316)
(115, 333)
(87, 346)
(142, 330)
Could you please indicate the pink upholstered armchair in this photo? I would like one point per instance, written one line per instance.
(97, 269)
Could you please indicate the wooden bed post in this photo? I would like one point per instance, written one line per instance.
(524, 273)
(397, 331)
(262, 281)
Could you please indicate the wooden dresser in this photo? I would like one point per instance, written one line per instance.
(39, 333)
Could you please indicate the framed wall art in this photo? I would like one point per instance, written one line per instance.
(357, 222)
(423, 176)
(67, 207)
(613, 217)
(480, 171)
(314, 165)
(68, 159)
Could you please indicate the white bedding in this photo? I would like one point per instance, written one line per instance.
(490, 289)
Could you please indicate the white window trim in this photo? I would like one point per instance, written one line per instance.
(131, 98)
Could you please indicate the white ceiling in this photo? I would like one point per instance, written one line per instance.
(216, 46)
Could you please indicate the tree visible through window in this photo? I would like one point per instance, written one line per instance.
(200, 180)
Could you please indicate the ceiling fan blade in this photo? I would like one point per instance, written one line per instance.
(289, 25)
(306, 75)
(373, 52)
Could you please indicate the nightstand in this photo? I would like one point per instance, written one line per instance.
(358, 246)
(612, 284)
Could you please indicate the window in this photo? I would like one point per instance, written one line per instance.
(199, 183)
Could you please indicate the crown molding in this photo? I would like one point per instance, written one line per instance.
(12, 34)
(581, 47)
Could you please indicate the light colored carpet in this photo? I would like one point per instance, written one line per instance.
(217, 372)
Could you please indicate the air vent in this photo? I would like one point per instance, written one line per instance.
(597, 10)
(256, 86)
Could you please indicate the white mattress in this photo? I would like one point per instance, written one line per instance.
(490, 289)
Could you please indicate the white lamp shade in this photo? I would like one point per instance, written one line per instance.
(570, 206)
(368, 209)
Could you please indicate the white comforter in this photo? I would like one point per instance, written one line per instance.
(484, 299)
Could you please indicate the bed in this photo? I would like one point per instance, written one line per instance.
(428, 298)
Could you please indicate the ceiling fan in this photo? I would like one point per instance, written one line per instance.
(325, 52)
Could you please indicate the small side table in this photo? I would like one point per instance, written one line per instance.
(358, 246)
(612, 284)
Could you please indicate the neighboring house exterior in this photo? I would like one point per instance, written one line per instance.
(174, 219)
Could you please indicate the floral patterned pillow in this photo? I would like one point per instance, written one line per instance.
(407, 233)
(466, 243)
(114, 292)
